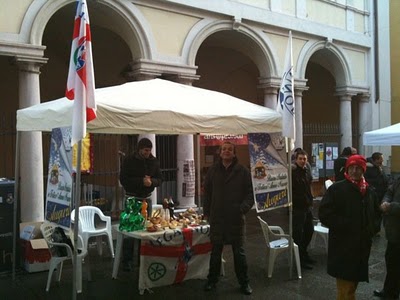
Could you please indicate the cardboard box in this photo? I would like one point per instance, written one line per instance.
(35, 253)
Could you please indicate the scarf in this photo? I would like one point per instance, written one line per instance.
(361, 184)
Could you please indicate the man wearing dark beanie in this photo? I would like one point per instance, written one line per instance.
(140, 175)
(349, 209)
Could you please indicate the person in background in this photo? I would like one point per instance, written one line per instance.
(302, 218)
(228, 197)
(391, 221)
(308, 165)
(140, 175)
(340, 163)
(376, 177)
(349, 209)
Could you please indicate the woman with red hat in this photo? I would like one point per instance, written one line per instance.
(349, 209)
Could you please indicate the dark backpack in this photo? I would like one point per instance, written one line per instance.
(59, 236)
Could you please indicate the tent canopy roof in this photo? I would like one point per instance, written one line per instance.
(157, 106)
(387, 136)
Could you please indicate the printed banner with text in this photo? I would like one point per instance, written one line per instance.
(62, 164)
(268, 169)
(59, 183)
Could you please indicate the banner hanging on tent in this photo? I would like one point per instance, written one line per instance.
(268, 163)
(59, 182)
(217, 139)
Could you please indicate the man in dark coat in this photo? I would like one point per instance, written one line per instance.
(349, 209)
(376, 177)
(340, 163)
(391, 221)
(302, 219)
(228, 197)
(140, 175)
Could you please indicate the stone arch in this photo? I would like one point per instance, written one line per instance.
(258, 48)
(126, 16)
(327, 55)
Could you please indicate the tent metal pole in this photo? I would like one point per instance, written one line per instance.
(16, 198)
(198, 172)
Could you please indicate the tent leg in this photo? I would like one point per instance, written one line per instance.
(15, 212)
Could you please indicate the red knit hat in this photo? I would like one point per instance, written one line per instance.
(358, 160)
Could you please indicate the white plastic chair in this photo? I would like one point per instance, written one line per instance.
(321, 231)
(278, 243)
(56, 262)
(88, 229)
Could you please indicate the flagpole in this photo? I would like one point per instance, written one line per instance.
(291, 245)
(286, 106)
(80, 88)
(77, 200)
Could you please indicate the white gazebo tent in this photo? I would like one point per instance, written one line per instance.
(387, 136)
(153, 106)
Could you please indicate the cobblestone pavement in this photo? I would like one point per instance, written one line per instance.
(315, 284)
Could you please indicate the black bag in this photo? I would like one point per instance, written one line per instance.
(59, 236)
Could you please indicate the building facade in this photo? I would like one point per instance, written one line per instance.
(340, 52)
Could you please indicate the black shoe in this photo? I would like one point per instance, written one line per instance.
(210, 286)
(379, 293)
(246, 289)
(306, 266)
(308, 260)
(126, 266)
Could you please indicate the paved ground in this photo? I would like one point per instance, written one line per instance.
(315, 284)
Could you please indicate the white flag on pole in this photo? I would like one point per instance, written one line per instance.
(286, 105)
(80, 83)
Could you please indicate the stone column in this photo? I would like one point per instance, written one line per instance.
(345, 121)
(271, 97)
(139, 75)
(185, 154)
(362, 119)
(31, 154)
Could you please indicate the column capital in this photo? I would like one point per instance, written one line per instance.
(269, 82)
(30, 64)
(143, 69)
(344, 96)
(364, 97)
(182, 78)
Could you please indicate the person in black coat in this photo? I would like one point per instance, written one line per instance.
(340, 163)
(376, 177)
(349, 209)
(228, 197)
(140, 175)
(391, 220)
(302, 198)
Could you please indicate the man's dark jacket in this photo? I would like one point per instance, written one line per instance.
(339, 166)
(376, 177)
(391, 219)
(229, 196)
(134, 168)
(301, 188)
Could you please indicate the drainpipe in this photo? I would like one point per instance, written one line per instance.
(376, 50)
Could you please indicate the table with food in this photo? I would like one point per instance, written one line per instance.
(173, 248)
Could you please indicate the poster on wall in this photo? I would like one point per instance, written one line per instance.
(189, 178)
(59, 183)
(268, 170)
